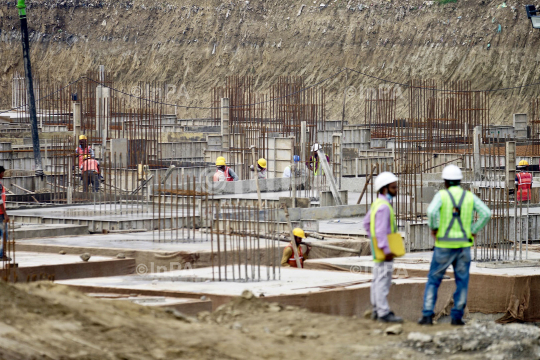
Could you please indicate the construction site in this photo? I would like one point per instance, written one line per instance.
(144, 227)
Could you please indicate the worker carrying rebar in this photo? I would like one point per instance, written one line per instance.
(379, 222)
(288, 259)
(83, 149)
(261, 169)
(90, 173)
(450, 218)
(524, 180)
(4, 217)
(223, 172)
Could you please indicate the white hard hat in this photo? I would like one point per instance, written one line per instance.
(315, 147)
(384, 178)
(452, 172)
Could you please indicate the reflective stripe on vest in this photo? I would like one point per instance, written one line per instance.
(524, 186)
(374, 208)
(292, 259)
(456, 218)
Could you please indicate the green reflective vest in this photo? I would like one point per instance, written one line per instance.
(456, 215)
(374, 208)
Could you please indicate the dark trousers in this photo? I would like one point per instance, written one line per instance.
(90, 178)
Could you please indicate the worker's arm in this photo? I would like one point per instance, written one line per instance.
(484, 214)
(233, 175)
(287, 253)
(367, 223)
(433, 212)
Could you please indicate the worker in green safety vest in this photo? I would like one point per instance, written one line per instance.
(450, 218)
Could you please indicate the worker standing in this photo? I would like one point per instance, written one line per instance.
(450, 218)
(379, 222)
(524, 180)
(261, 169)
(294, 169)
(223, 172)
(288, 259)
(314, 164)
(4, 218)
(90, 173)
(83, 149)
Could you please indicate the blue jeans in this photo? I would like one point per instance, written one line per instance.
(460, 259)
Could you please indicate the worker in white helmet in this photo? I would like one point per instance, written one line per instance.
(379, 222)
(450, 218)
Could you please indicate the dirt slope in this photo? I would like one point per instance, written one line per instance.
(193, 45)
(48, 321)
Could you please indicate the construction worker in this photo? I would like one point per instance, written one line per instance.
(4, 217)
(90, 173)
(294, 168)
(83, 149)
(524, 182)
(288, 259)
(261, 169)
(379, 222)
(223, 172)
(450, 218)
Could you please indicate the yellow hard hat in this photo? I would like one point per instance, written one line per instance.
(83, 137)
(86, 157)
(262, 163)
(523, 163)
(220, 161)
(299, 232)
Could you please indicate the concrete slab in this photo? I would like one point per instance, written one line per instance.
(33, 266)
(320, 291)
(29, 231)
(186, 306)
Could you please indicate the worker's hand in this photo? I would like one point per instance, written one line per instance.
(308, 249)
(434, 233)
(6, 218)
(251, 167)
(389, 257)
(474, 236)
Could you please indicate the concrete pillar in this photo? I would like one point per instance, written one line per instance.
(520, 126)
(225, 124)
(103, 96)
(337, 156)
(477, 166)
(510, 164)
(77, 116)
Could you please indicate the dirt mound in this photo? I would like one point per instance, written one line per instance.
(192, 46)
(48, 321)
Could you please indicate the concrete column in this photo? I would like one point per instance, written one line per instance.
(225, 131)
(77, 116)
(337, 155)
(510, 164)
(477, 166)
(103, 96)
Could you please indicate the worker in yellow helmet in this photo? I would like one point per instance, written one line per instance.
(223, 172)
(261, 169)
(83, 149)
(288, 259)
(523, 181)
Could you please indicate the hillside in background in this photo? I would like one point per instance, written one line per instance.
(194, 45)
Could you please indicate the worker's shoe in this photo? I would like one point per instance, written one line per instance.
(374, 315)
(390, 318)
(457, 322)
(426, 320)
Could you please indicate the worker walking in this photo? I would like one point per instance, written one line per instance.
(379, 222)
(288, 259)
(83, 149)
(261, 169)
(223, 172)
(90, 173)
(450, 218)
(4, 218)
(524, 180)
